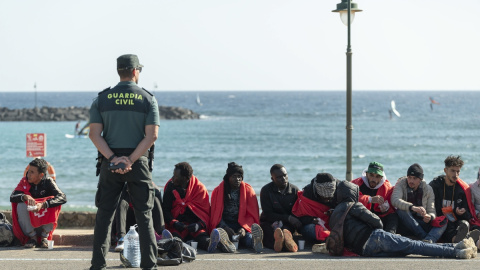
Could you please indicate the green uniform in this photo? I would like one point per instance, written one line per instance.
(124, 111)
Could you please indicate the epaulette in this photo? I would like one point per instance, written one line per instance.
(147, 91)
(106, 89)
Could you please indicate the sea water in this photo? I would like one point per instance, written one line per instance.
(303, 130)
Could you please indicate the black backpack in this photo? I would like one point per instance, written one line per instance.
(6, 231)
(334, 242)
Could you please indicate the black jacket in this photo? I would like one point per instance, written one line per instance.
(358, 225)
(46, 187)
(275, 205)
(459, 197)
(344, 192)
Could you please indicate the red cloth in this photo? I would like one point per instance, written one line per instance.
(466, 188)
(384, 191)
(42, 217)
(306, 207)
(248, 212)
(196, 198)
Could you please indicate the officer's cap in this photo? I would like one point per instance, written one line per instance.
(128, 61)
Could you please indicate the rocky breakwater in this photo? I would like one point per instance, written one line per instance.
(80, 114)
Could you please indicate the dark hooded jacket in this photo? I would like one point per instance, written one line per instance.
(358, 225)
(344, 192)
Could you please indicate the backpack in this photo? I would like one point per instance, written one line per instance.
(173, 251)
(6, 231)
(334, 242)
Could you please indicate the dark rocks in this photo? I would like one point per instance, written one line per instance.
(80, 114)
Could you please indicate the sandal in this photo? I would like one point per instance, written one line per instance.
(30, 243)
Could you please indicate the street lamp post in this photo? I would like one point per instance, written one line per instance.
(347, 11)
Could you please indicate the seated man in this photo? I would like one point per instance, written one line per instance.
(50, 171)
(315, 202)
(375, 194)
(186, 206)
(277, 199)
(475, 191)
(36, 193)
(453, 200)
(235, 210)
(415, 203)
(363, 234)
(125, 217)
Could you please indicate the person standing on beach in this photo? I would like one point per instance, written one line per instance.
(124, 123)
(277, 221)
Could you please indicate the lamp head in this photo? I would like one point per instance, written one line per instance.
(342, 9)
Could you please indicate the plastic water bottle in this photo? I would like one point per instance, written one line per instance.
(131, 250)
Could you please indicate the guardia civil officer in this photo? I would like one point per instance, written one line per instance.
(128, 117)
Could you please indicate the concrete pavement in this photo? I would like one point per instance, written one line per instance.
(73, 251)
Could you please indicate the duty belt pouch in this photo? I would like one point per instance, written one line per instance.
(99, 163)
(448, 212)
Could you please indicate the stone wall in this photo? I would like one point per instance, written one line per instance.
(80, 114)
(69, 219)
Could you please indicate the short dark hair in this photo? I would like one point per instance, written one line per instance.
(453, 161)
(41, 165)
(125, 73)
(185, 169)
(276, 167)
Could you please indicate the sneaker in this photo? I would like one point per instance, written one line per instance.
(43, 243)
(462, 231)
(257, 234)
(31, 243)
(166, 234)
(279, 240)
(214, 240)
(289, 243)
(464, 253)
(120, 245)
(475, 235)
(320, 248)
(225, 244)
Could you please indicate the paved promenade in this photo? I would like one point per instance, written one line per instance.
(77, 254)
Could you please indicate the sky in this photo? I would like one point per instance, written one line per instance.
(239, 44)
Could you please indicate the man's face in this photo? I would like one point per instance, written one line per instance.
(374, 179)
(33, 176)
(178, 179)
(280, 178)
(452, 174)
(235, 180)
(413, 182)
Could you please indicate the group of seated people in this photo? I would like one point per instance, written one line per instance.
(381, 216)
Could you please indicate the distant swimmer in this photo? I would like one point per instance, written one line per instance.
(432, 101)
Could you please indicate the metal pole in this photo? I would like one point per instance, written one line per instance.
(349, 126)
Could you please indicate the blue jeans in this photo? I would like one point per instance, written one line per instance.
(385, 244)
(308, 232)
(246, 241)
(419, 228)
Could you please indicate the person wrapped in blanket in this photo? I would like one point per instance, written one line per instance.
(36, 204)
(316, 201)
(186, 206)
(235, 213)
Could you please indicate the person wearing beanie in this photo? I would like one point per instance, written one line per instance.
(454, 201)
(235, 213)
(415, 203)
(315, 202)
(375, 194)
